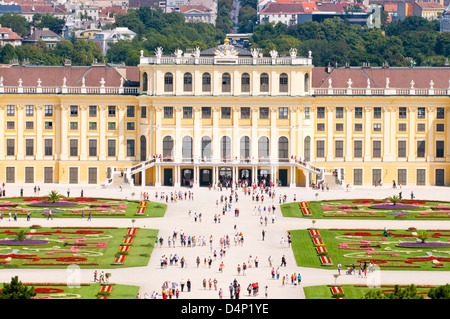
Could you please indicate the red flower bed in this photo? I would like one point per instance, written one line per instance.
(48, 290)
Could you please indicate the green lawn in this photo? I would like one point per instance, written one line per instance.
(306, 254)
(103, 257)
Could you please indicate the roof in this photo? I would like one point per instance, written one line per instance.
(12, 34)
(283, 8)
(187, 8)
(32, 9)
(212, 52)
(398, 77)
(337, 7)
(39, 34)
(430, 5)
(390, 7)
(12, 8)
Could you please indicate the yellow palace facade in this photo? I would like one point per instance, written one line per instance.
(224, 114)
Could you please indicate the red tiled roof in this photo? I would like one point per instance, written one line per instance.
(390, 7)
(430, 5)
(186, 8)
(12, 34)
(283, 8)
(37, 9)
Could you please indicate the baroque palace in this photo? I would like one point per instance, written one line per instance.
(224, 114)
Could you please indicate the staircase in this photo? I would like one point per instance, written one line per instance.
(332, 181)
(118, 180)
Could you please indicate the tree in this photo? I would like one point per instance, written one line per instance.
(53, 196)
(16, 290)
(394, 199)
(409, 292)
(441, 292)
(422, 235)
(49, 21)
(15, 22)
(21, 235)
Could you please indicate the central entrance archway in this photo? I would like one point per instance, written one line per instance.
(225, 175)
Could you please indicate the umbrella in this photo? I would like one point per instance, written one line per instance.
(174, 284)
(255, 285)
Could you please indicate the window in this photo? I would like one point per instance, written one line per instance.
(245, 83)
(29, 147)
(73, 147)
(187, 112)
(358, 112)
(168, 112)
(307, 113)
(376, 149)
(339, 127)
(48, 174)
(402, 176)
(10, 147)
(130, 148)
(245, 113)
(73, 126)
(186, 149)
(111, 111)
(48, 147)
(283, 113)
(206, 82)
(225, 112)
(420, 148)
(320, 148)
(48, 125)
(357, 149)
(439, 177)
(111, 147)
(48, 110)
(187, 82)
(29, 125)
(440, 113)
(339, 112)
(29, 174)
(206, 112)
(421, 127)
(10, 125)
(92, 110)
(10, 174)
(401, 149)
(10, 110)
(245, 148)
(264, 83)
(92, 126)
(321, 112)
(377, 127)
(92, 175)
(206, 148)
(402, 127)
(376, 176)
(225, 148)
(357, 176)
(284, 83)
(377, 112)
(320, 127)
(130, 111)
(168, 82)
(29, 110)
(226, 82)
(402, 113)
(307, 148)
(358, 127)
(263, 148)
(92, 147)
(283, 149)
(130, 126)
(143, 112)
(306, 82)
(440, 127)
(338, 148)
(74, 110)
(440, 149)
(263, 113)
(421, 113)
(167, 147)
(421, 177)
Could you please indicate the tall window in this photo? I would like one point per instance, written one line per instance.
(357, 149)
(168, 148)
(321, 112)
(186, 149)
(283, 149)
(376, 149)
(48, 147)
(420, 148)
(263, 113)
(10, 110)
(401, 148)
(187, 112)
(338, 148)
(206, 82)
(402, 113)
(111, 147)
(111, 111)
(73, 143)
(225, 148)
(168, 82)
(145, 82)
(92, 110)
(168, 112)
(130, 111)
(29, 110)
(377, 112)
(306, 84)
(284, 83)
(225, 112)
(48, 110)
(440, 149)
(187, 82)
(206, 148)
(440, 113)
(10, 147)
(357, 176)
(263, 148)
(421, 113)
(245, 83)
(264, 83)
(29, 147)
(74, 110)
(131, 148)
(307, 149)
(245, 148)
(358, 112)
(339, 112)
(206, 112)
(226, 82)
(283, 113)
(92, 147)
(245, 112)
(320, 148)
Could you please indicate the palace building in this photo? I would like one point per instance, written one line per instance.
(224, 114)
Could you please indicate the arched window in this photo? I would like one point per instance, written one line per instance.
(206, 82)
(145, 82)
(245, 83)
(186, 149)
(283, 149)
(307, 149)
(225, 148)
(143, 148)
(168, 148)
(263, 149)
(264, 83)
(306, 82)
(226, 82)
(284, 82)
(187, 82)
(206, 148)
(245, 148)
(168, 82)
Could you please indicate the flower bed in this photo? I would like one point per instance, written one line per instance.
(391, 206)
(318, 242)
(52, 204)
(26, 242)
(321, 250)
(303, 204)
(131, 232)
(336, 290)
(325, 261)
(314, 233)
(306, 212)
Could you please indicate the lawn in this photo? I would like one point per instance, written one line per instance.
(369, 209)
(80, 207)
(399, 251)
(86, 247)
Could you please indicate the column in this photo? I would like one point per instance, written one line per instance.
(447, 140)
(157, 128)
(348, 133)
(430, 129)
(122, 140)
(367, 135)
(273, 135)
(235, 142)
(20, 129)
(197, 138)
(39, 131)
(387, 156)
(215, 136)
(102, 132)
(330, 132)
(292, 133)
(158, 176)
(178, 138)
(412, 148)
(2, 131)
(254, 135)
(143, 178)
(58, 136)
(64, 140)
(83, 124)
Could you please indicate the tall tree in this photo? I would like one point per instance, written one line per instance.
(16, 290)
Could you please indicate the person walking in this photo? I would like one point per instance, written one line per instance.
(263, 234)
(89, 217)
(283, 261)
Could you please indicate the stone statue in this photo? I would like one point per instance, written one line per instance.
(196, 52)
(293, 52)
(273, 54)
(178, 53)
(158, 52)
